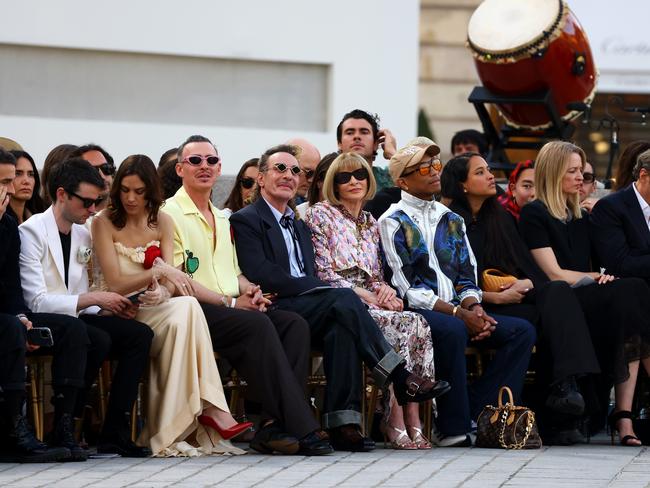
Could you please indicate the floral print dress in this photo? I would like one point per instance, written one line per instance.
(348, 254)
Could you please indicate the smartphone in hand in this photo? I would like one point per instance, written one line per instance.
(134, 298)
(40, 336)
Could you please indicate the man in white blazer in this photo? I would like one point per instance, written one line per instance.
(54, 256)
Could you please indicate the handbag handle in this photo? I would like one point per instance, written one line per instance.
(509, 391)
(495, 272)
(530, 421)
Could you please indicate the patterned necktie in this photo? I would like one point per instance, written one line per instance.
(287, 222)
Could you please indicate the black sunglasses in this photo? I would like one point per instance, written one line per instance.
(107, 168)
(281, 168)
(196, 160)
(247, 182)
(345, 176)
(588, 177)
(309, 173)
(86, 202)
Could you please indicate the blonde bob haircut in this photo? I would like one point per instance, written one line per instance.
(348, 161)
(550, 167)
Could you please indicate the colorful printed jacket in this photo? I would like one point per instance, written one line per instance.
(410, 230)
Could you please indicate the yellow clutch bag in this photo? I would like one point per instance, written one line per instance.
(493, 279)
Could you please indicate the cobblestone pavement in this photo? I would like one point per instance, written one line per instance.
(593, 465)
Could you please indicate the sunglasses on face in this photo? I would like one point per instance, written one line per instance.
(281, 168)
(196, 160)
(588, 177)
(247, 182)
(86, 202)
(107, 169)
(344, 177)
(309, 173)
(425, 168)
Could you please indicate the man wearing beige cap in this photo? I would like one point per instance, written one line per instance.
(386, 197)
(434, 271)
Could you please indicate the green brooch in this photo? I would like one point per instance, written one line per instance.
(191, 263)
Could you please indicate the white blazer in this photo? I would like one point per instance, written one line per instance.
(41, 266)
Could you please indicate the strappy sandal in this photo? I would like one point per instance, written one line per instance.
(401, 442)
(613, 421)
(418, 438)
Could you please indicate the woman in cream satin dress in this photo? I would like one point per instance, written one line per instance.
(132, 242)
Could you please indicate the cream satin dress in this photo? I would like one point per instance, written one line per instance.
(183, 376)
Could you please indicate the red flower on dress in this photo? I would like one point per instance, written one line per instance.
(150, 255)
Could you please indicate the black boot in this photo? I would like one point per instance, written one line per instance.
(63, 436)
(21, 446)
(116, 439)
(565, 397)
(349, 438)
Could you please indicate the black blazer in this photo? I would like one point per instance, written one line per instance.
(620, 235)
(11, 290)
(263, 255)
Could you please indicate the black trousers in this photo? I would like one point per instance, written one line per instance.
(12, 353)
(272, 353)
(342, 328)
(563, 333)
(69, 350)
(128, 342)
(618, 315)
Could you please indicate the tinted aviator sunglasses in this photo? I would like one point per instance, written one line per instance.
(281, 168)
(247, 182)
(425, 168)
(344, 177)
(107, 169)
(86, 202)
(196, 160)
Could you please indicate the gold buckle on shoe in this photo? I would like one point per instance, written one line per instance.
(417, 388)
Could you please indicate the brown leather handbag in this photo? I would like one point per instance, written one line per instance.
(507, 426)
(493, 279)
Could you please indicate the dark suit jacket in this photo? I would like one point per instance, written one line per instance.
(620, 234)
(11, 291)
(263, 255)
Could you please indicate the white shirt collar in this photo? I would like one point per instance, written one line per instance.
(276, 212)
(417, 202)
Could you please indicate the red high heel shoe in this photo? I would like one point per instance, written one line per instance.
(226, 434)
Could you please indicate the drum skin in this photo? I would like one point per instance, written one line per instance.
(551, 68)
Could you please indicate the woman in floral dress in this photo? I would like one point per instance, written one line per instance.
(346, 245)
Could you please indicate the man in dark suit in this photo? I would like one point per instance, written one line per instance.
(275, 251)
(620, 226)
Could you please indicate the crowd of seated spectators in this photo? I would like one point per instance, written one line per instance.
(135, 265)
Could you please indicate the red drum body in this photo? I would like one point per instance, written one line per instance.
(558, 57)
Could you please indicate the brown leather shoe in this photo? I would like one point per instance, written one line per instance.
(416, 389)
